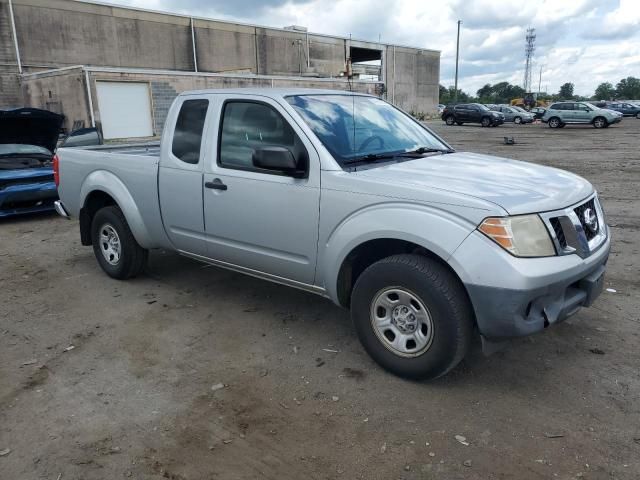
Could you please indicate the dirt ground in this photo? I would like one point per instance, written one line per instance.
(139, 395)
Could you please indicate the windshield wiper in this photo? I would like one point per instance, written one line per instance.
(422, 150)
(417, 153)
(372, 157)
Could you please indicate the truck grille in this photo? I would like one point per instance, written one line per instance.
(591, 204)
(557, 228)
(578, 229)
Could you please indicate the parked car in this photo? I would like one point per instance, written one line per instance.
(441, 108)
(472, 113)
(627, 109)
(538, 112)
(563, 113)
(28, 139)
(512, 114)
(345, 196)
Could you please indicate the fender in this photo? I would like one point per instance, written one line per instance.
(434, 229)
(112, 185)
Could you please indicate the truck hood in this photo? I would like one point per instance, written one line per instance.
(30, 126)
(518, 187)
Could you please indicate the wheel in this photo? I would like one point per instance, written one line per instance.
(412, 315)
(599, 122)
(459, 123)
(517, 120)
(638, 115)
(114, 246)
(554, 122)
(486, 121)
(450, 120)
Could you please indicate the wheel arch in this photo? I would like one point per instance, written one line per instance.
(407, 229)
(102, 188)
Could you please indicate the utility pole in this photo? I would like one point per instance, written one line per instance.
(540, 80)
(455, 93)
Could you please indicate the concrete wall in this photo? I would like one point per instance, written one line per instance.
(10, 94)
(60, 33)
(62, 92)
(412, 78)
(65, 91)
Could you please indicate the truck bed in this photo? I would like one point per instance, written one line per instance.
(127, 172)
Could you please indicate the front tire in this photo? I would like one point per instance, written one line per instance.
(450, 120)
(599, 122)
(114, 246)
(412, 315)
(485, 122)
(517, 120)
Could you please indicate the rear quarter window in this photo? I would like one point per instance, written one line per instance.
(187, 136)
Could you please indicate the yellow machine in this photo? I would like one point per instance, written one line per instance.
(529, 101)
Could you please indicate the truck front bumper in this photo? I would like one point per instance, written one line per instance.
(514, 296)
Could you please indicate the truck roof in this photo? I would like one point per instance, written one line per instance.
(273, 92)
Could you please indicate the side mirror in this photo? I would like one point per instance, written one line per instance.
(279, 159)
(83, 137)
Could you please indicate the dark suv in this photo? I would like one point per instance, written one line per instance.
(625, 108)
(472, 113)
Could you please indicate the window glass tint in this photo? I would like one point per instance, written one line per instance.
(353, 126)
(187, 136)
(247, 126)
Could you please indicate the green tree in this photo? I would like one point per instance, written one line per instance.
(605, 91)
(628, 88)
(485, 94)
(566, 91)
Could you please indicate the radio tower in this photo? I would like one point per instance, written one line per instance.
(529, 48)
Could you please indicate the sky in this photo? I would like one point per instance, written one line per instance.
(585, 42)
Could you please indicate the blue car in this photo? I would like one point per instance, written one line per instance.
(28, 138)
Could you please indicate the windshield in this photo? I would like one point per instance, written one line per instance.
(352, 126)
(591, 106)
(519, 109)
(483, 107)
(21, 149)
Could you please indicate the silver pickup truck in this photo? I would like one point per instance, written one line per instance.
(345, 196)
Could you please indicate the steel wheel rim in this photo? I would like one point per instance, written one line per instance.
(402, 322)
(110, 246)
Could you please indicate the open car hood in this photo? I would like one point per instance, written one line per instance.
(30, 126)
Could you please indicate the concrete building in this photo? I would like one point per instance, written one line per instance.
(98, 63)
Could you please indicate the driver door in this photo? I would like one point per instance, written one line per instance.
(261, 220)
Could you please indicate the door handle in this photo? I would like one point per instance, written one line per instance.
(216, 184)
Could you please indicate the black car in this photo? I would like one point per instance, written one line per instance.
(625, 108)
(538, 112)
(472, 113)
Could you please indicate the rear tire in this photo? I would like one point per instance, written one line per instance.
(114, 246)
(600, 122)
(554, 122)
(450, 120)
(485, 122)
(385, 298)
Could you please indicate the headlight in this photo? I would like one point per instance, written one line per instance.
(522, 235)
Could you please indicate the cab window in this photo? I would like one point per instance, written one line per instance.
(247, 126)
